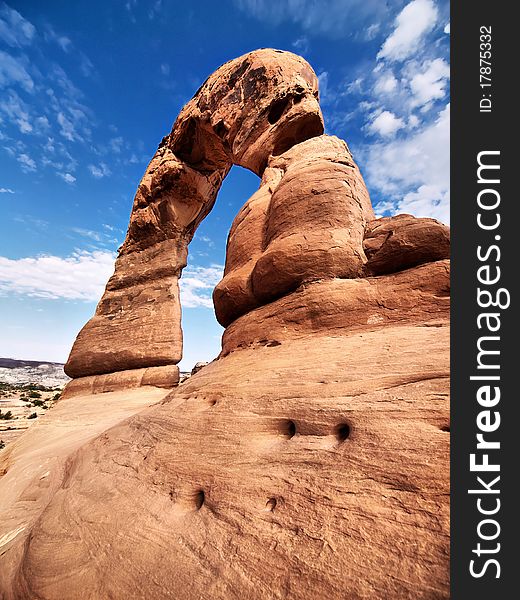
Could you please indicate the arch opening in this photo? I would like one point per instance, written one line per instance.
(205, 266)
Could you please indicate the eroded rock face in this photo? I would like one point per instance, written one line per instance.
(306, 222)
(311, 460)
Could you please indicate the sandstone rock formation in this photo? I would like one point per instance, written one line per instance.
(252, 108)
(311, 459)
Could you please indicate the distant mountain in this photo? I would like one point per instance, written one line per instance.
(23, 372)
(13, 363)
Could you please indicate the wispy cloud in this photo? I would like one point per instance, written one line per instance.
(32, 223)
(99, 171)
(13, 71)
(93, 235)
(15, 31)
(107, 238)
(116, 144)
(415, 20)
(26, 162)
(80, 276)
(206, 239)
(430, 82)
(67, 177)
(67, 128)
(301, 45)
(17, 111)
(197, 284)
(333, 17)
(85, 65)
(62, 41)
(6, 190)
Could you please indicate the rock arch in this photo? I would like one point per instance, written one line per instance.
(306, 221)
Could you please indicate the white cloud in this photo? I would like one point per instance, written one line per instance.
(15, 31)
(85, 65)
(16, 111)
(99, 171)
(42, 124)
(427, 201)
(206, 239)
(116, 144)
(415, 20)
(26, 162)
(67, 177)
(81, 276)
(385, 84)
(165, 69)
(430, 84)
(371, 31)
(447, 28)
(6, 191)
(413, 121)
(385, 124)
(197, 283)
(67, 128)
(415, 171)
(13, 71)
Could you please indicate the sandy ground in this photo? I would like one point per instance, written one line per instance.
(15, 399)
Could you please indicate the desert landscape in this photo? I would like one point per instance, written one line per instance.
(311, 458)
(27, 390)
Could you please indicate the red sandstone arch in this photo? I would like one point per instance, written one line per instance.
(250, 112)
(311, 219)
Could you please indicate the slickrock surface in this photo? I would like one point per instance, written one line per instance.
(214, 493)
(37, 464)
(311, 460)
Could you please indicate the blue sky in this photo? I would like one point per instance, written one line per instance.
(88, 90)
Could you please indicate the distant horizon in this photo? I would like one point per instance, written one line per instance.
(50, 362)
(53, 362)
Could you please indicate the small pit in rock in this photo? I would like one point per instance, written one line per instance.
(198, 499)
(342, 432)
(270, 505)
(288, 428)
